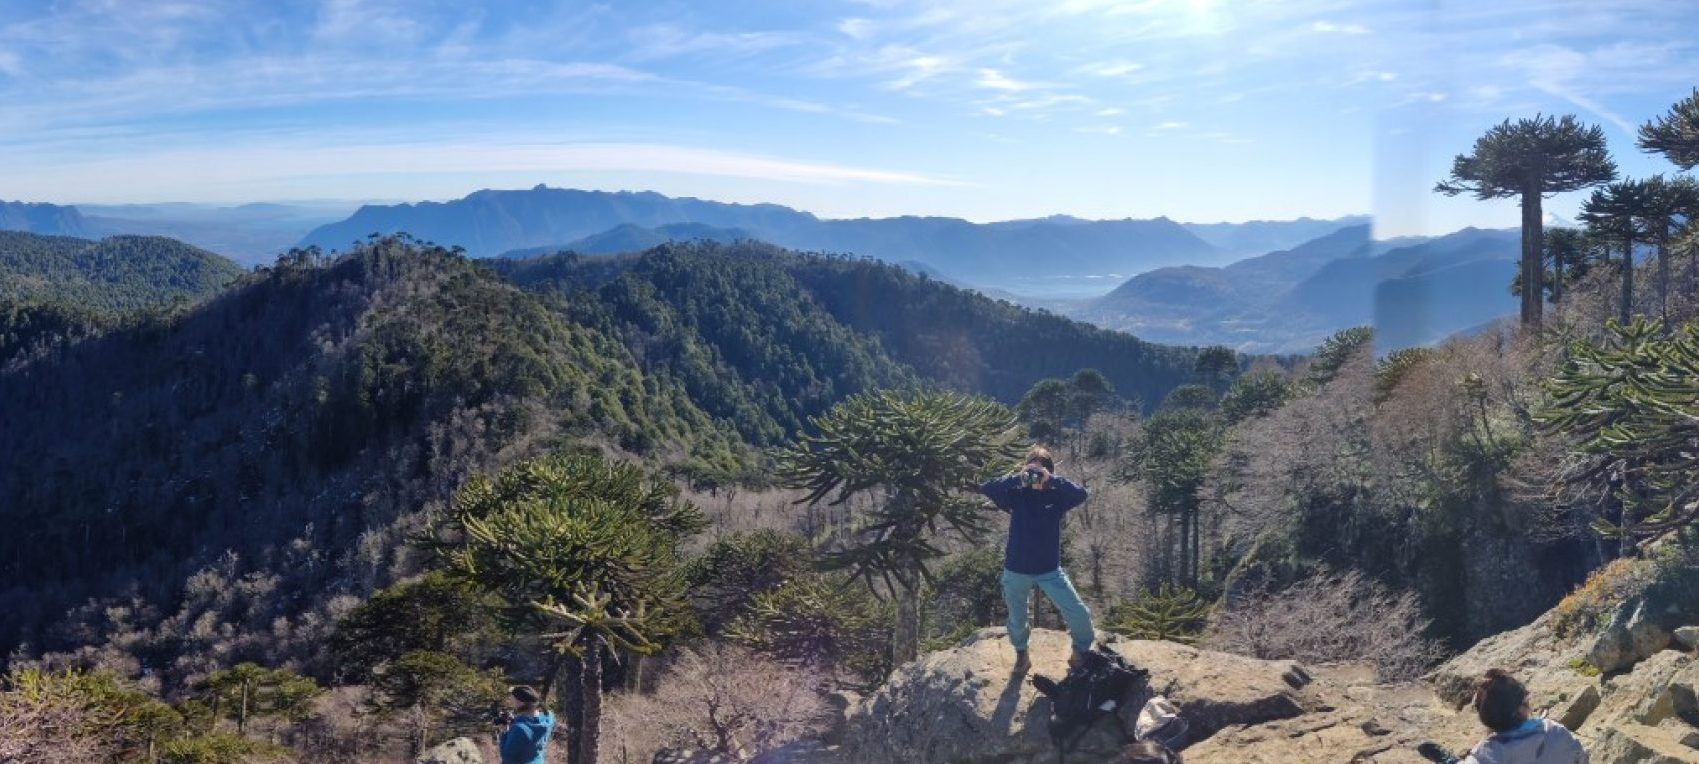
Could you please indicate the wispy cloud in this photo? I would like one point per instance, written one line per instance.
(991, 79)
(1111, 68)
(1330, 27)
(186, 172)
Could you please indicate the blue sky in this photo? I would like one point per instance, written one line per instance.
(1201, 110)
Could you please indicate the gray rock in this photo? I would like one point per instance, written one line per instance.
(671, 756)
(1634, 634)
(1640, 744)
(460, 750)
(964, 705)
(1687, 636)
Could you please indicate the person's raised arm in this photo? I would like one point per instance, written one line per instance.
(1072, 494)
(1000, 490)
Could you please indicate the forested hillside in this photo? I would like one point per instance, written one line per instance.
(290, 430)
(117, 274)
(942, 333)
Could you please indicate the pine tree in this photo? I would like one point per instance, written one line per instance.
(1630, 406)
(1529, 159)
(1616, 213)
(582, 553)
(1675, 134)
(919, 456)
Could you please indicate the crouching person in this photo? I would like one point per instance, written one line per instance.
(1037, 500)
(1501, 702)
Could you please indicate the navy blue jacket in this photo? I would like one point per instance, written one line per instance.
(1035, 520)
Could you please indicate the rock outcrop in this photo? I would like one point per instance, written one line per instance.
(963, 705)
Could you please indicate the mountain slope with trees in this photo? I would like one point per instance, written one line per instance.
(1287, 302)
(116, 274)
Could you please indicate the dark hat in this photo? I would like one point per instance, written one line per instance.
(525, 694)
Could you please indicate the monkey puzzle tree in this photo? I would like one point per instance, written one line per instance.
(582, 553)
(1173, 454)
(1669, 204)
(1630, 406)
(1529, 159)
(1616, 214)
(1675, 134)
(919, 457)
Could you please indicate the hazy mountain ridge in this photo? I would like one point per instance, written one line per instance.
(1288, 301)
(1255, 237)
(43, 218)
(492, 222)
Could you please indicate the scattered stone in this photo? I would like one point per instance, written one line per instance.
(671, 756)
(1687, 637)
(460, 750)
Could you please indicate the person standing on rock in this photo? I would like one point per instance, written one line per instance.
(1501, 702)
(1037, 500)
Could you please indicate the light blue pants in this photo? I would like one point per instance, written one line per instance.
(1017, 590)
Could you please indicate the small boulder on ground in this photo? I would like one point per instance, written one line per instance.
(1687, 637)
(460, 750)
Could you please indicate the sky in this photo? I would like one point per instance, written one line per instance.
(1200, 110)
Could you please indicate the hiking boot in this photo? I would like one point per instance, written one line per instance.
(1022, 663)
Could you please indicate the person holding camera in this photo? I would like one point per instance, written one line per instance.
(1037, 499)
(528, 727)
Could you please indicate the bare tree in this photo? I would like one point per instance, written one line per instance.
(1329, 617)
(719, 699)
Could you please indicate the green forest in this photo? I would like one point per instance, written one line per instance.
(330, 509)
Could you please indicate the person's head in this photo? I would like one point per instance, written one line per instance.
(525, 699)
(1040, 456)
(1148, 752)
(1500, 701)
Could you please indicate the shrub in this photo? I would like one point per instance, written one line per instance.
(1331, 617)
(1171, 613)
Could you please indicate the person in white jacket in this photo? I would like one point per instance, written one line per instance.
(1518, 737)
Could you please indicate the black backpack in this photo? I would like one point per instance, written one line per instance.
(1098, 686)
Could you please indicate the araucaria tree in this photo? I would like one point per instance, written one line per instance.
(582, 553)
(1675, 134)
(1630, 409)
(1668, 206)
(1617, 214)
(1528, 159)
(919, 458)
(1173, 455)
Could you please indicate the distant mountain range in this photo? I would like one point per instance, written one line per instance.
(630, 237)
(1256, 237)
(1414, 292)
(1018, 253)
(46, 219)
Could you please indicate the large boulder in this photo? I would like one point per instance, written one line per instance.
(460, 750)
(1637, 631)
(965, 704)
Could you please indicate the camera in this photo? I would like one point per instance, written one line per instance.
(1030, 478)
(501, 717)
